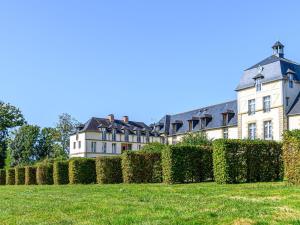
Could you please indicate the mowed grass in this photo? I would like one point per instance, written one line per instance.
(204, 203)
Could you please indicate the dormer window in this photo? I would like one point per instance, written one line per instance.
(291, 80)
(204, 120)
(258, 84)
(225, 119)
(114, 134)
(190, 125)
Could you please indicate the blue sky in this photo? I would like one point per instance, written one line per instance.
(143, 59)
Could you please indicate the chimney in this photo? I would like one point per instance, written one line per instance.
(111, 117)
(278, 49)
(125, 119)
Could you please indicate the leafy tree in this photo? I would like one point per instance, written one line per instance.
(48, 138)
(153, 147)
(198, 138)
(10, 117)
(66, 126)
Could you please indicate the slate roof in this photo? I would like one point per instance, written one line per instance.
(94, 124)
(274, 68)
(295, 108)
(215, 118)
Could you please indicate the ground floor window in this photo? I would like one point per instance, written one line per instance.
(74, 145)
(93, 146)
(79, 144)
(104, 147)
(114, 148)
(252, 131)
(225, 133)
(268, 135)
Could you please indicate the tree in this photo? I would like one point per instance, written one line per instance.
(46, 143)
(10, 117)
(66, 126)
(198, 138)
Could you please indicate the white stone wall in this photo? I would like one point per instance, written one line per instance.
(294, 122)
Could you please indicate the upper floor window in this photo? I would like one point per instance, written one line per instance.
(114, 148)
(203, 123)
(126, 135)
(138, 138)
(104, 135)
(174, 128)
(104, 147)
(147, 137)
(287, 101)
(291, 80)
(74, 145)
(190, 125)
(114, 134)
(79, 144)
(225, 119)
(258, 84)
(251, 107)
(225, 133)
(267, 103)
(268, 130)
(252, 131)
(93, 146)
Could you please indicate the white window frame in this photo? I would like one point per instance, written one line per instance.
(291, 80)
(104, 147)
(93, 146)
(252, 131)
(258, 84)
(267, 103)
(225, 133)
(268, 130)
(114, 148)
(251, 107)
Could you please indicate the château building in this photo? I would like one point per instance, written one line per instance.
(267, 104)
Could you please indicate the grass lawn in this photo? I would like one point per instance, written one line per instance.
(205, 203)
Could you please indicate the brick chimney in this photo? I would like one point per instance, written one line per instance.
(111, 117)
(125, 119)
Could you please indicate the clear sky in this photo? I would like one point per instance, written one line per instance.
(138, 58)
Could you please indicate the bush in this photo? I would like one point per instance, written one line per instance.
(291, 156)
(30, 175)
(154, 147)
(2, 176)
(237, 161)
(44, 174)
(61, 172)
(109, 170)
(10, 176)
(141, 167)
(19, 175)
(82, 171)
(187, 163)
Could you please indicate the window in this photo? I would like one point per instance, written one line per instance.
(126, 133)
(114, 135)
(174, 128)
(190, 125)
(225, 119)
(74, 145)
(291, 83)
(203, 123)
(268, 130)
(266, 104)
(147, 137)
(251, 107)
(225, 133)
(139, 147)
(258, 84)
(252, 131)
(79, 144)
(114, 148)
(93, 146)
(138, 138)
(104, 135)
(287, 101)
(104, 147)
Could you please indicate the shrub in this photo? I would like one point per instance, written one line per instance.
(109, 169)
(2, 176)
(153, 147)
(141, 167)
(237, 161)
(61, 172)
(44, 173)
(19, 175)
(10, 176)
(187, 163)
(291, 156)
(196, 139)
(30, 175)
(82, 171)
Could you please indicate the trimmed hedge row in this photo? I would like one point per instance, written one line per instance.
(19, 175)
(61, 172)
(30, 175)
(2, 176)
(109, 170)
(10, 176)
(238, 161)
(44, 174)
(186, 163)
(82, 171)
(141, 167)
(291, 156)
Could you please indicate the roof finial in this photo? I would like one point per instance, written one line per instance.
(278, 49)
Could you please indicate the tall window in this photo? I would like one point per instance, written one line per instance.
(114, 134)
(258, 84)
(126, 135)
(291, 83)
(74, 145)
(252, 131)
(138, 137)
(225, 133)
(287, 101)
(174, 128)
(203, 123)
(79, 144)
(114, 148)
(251, 107)
(104, 147)
(190, 125)
(267, 104)
(225, 119)
(93, 146)
(147, 137)
(268, 135)
(104, 135)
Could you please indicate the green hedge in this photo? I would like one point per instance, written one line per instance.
(291, 156)
(238, 161)
(44, 174)
(141, 167)
(82, 171)
(19, 175)
(61, 172)
(10, 176)
(187, 163)
(109, 169)
(2, 176)
(30, 175)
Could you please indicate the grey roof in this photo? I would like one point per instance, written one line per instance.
(274, 68)
(295, 108)
(94, 123)
(214, 114)
(278, 43)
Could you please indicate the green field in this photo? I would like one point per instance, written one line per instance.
(205, 203)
